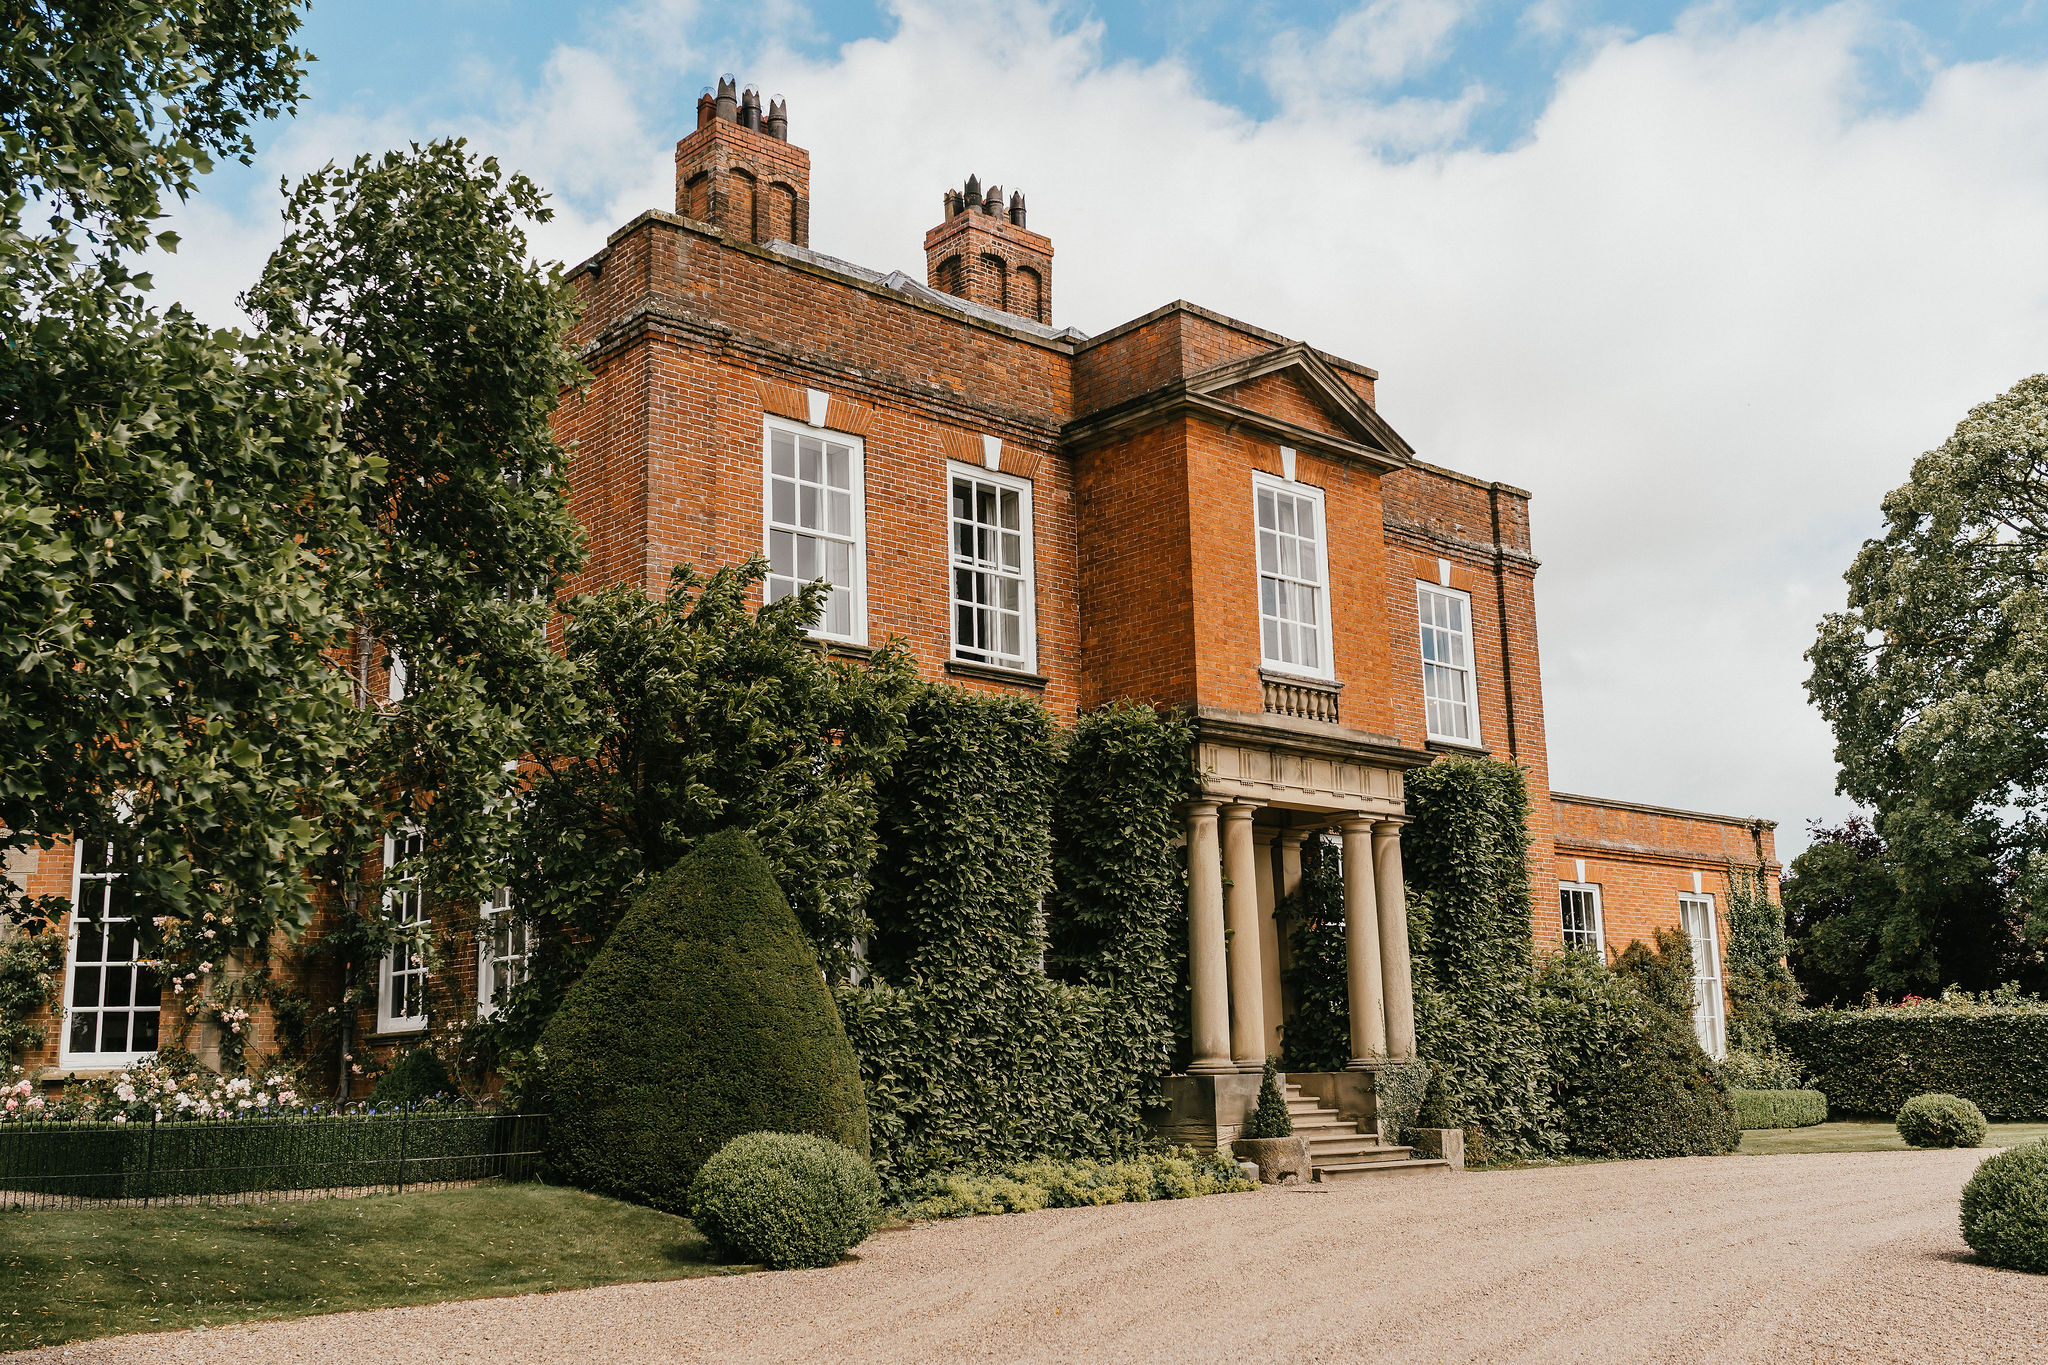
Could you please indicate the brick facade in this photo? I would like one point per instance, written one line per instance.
(704, 328)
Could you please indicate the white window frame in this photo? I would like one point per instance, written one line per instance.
(857, 474)
(1708, 1012)
(1468, 674)
(396, 889)
(66, 1057)
(1592, 891)
(1327, 669)
(957, 563)
(489, 961)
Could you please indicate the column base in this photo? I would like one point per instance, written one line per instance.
(1369, 1064)
(1251, 1066)
(1213, 1066)
(1204, 1111)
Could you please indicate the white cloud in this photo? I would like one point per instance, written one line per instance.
(1708, 310)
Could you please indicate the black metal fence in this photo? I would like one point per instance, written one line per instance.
(232, 1160)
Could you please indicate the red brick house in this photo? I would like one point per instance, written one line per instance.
(1187, 509)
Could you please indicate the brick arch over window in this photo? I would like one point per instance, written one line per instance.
(740, 214)
(995, 279)
(949, 281)
(778, 213)
(696, 197)
(1027, 294)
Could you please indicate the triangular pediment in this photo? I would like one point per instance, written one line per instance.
(1295, 386)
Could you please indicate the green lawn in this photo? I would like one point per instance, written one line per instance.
(1866, 1137)
(69, 1275)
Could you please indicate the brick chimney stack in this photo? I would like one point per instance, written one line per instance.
(738, 171)
(983, 253)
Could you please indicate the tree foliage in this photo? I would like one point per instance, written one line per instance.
(689, 713)
(1935, 677)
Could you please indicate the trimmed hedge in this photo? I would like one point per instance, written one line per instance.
(704, 1017)
(1940, 1121)
(785, 1200)
(1870, 1062)
(1631, 1079)
(180, 1159)
(1779, 1108)
(2005, 1209)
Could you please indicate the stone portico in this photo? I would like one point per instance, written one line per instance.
(1268, 783)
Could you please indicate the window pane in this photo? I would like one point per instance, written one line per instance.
(839, 563)
(1285, 508)
(806, 558)
(963, 499)
(1266, 509)
(85, 986)
(782, 501)
(1012, 517)
(807, 507)
(840, 506)
(144, 1036)
(783, 457)
(84, 1030)
(808, 453)
(837, 467)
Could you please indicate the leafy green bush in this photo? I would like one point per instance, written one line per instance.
(1871, 1061)
(1761, 991)
(1317, 1036)
(31, 965)
(1183, 1173)
(416, 1075)
(1779, 1108)
(1778, 1070)
(1476, 1018)
(704, 1017)
(1631, 1079)
(1270, 1119)
(1662, 973)
(785, 1200)
(971, 1052)
(1940, 1121)
(2005, 1209)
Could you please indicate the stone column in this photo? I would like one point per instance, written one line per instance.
(1208, 979)
(1287, 881)
(1241, 916)
(1362, 948)
(1269, 938)
(1393, 914)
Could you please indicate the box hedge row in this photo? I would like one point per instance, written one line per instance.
(1869, 1062)
(183, 1159)
(1780, 1108)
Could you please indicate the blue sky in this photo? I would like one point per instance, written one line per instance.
(1705, 278)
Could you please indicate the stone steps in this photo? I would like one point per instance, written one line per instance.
(1339, 1150)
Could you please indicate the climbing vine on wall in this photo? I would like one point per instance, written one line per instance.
(1467, 862)
(991, 1028)
(1318, 1036)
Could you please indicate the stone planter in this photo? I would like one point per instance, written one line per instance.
(1281, 1161)
(1446, 1143)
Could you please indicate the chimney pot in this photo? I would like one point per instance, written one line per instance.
(707, 107)
(750, 109)
(1017, 208)
(778, 119)
(993, 204)
(728, 99)
(974, 191)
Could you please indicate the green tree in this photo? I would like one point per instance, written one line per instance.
(180, 526)
(691, 713)
(1935, 679)
(1317, 1036)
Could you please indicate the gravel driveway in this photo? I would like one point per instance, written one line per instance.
(1849, 1257)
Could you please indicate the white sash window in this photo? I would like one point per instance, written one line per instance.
(402, 977)
(1697, 914)
(990, 551)
(112, 1003)
(1294, 599)
(815, 523)
(1445, 618)
(500, 953)
(1580, 905)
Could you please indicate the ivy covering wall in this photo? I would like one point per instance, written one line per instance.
(1023, 997)
(1467, 862)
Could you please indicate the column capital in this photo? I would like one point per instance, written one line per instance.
(1357, 822)
(1391, 822)
(1238, 810)
(1264, 836)
(1292, 838)
(1200, 806)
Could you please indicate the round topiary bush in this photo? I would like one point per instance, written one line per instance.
(2005, 1209)
(785, 1200)
(1941, 1121)
(704, 1016)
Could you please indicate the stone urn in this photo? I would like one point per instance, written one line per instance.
(1281, 1161)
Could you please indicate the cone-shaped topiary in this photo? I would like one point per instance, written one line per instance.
(703, 1017)
(1270, 1119)
(1940, 1121)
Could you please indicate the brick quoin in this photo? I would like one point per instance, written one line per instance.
(1139, 445)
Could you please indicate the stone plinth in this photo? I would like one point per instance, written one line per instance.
(1206, 1112)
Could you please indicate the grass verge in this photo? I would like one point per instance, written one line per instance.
(68, 1275)
(1866, 1137)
